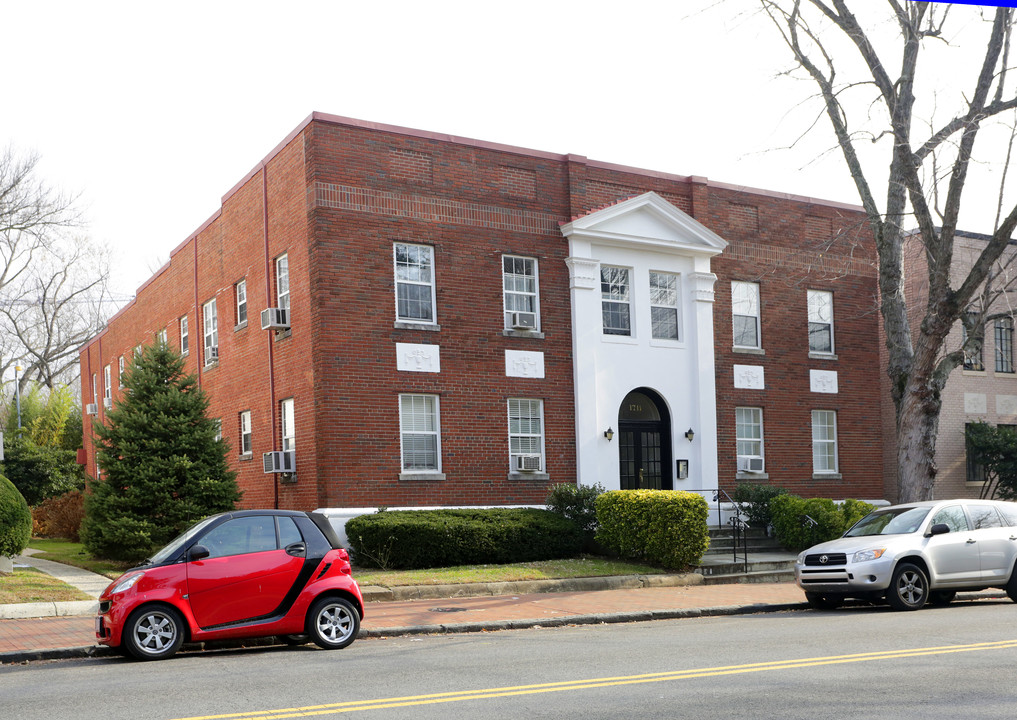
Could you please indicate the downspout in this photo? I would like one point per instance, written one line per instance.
(201, 358)
(271, 333)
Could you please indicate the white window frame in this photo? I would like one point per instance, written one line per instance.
(218, 428)
(417, 274)
(107, 383)
(512, 295)
(820, 310)
(419, 417)
(160, 337)
(282, 282)
(616, 295)
(246, 437)
(522, 414)
(745, 304)
(210, 329)
(667, 299)
(240, 292)
(120, 372)
(184, 337)
(287, 425)
(749, 418)
(824, 442)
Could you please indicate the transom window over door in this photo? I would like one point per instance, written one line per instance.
(615, 293)
(414, 275)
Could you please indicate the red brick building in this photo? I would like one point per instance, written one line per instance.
(456, 322)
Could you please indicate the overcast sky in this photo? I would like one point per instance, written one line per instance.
(153, 111)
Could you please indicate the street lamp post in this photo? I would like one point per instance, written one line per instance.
(17, 392)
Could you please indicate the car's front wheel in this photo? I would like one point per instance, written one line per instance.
(153, 632)
(817, 601)
(333, 623)
(909, 588)
(1011, 586)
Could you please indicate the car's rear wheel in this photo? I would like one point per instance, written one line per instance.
(333, 623)
(154, 632)
(942, 597)
(909, 588)
(817, 601)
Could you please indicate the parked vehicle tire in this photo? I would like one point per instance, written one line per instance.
(294, 639)
(1011, 586)
(909, 588)
(333, 623)
(153, 632)
(942, 597)
(823, 602)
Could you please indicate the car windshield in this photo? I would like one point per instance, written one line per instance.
(180, 541)
(892, 521)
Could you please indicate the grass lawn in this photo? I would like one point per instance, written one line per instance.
(30, 585)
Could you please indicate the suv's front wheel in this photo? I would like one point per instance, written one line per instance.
(909, 588)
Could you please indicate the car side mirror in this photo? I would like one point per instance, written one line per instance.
(197, 552)
(939, 529)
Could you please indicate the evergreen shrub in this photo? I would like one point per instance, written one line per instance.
(15, 520)
(665, 527)
(795, 533)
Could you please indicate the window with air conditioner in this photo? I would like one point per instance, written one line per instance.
(526, 434)
(520, 292)
(749, 439)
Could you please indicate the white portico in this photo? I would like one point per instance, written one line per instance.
(642, 329)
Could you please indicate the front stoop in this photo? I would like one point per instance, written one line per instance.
(767, 561)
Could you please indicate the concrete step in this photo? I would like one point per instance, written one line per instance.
(760, 576)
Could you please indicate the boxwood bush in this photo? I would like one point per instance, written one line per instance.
(15, 520)
(665, 527)
(832, 519)
(412, 539)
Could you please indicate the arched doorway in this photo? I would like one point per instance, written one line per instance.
(644, 442)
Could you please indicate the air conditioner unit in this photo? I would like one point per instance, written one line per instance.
(750, 464)
(211, 354)
(107, 403)
(92, 409)
(278, 318)
(527, 463)
(284, 461)
(524, 320)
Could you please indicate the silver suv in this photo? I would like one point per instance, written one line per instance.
(916, 553)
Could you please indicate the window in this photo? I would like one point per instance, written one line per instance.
(414, 274)
(975, 471)
(664, 305)
(953, 517)
(614, 294)
(749, 438)
(824, 441)
(218, 428)
(289, 433)
(1004, 345)
(183, 335)
(240, 290)
(820, 321)
(241, 536)
(137, 351)
(211, 328)
(420, 433)
(282, 282)
(526, 434)
(107, 384)
(120, 373)
(972, 356)
(519, 279)
(245, 432)
(160, 337)
(745, 314)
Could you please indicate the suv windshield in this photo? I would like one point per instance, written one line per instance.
(896, 521)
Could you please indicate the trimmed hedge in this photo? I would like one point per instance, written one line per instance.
(15, 520)
(832, 519)
(757, 497)
(665, 527)
(413, 539)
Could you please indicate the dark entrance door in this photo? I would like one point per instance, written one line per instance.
(644, 442)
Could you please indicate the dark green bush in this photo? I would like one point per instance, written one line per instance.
(756, 498)
(410, 539)
(576, 502)
(796, 533)
(665, 527)
(15, 520)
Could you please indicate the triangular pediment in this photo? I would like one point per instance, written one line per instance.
(646, 219)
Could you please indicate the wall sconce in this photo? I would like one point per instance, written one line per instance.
(689, 434)
(609, 433)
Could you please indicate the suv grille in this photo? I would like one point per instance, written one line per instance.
(830, 559)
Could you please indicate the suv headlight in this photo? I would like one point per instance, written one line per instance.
(126, 583)
(868, 555)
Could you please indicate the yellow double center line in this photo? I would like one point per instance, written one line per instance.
(381, 704)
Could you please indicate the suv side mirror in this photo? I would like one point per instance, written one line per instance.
(939, 529)
(197, 552)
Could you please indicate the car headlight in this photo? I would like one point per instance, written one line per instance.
(801, 558)
(126, 582)
(868, 555)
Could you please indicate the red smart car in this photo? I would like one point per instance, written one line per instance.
(243, 574)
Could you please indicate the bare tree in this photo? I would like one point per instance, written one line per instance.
(913, 190)
(53, 285)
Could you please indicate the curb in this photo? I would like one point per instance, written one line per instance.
(25, 611)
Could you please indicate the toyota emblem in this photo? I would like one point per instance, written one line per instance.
(823, 559)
